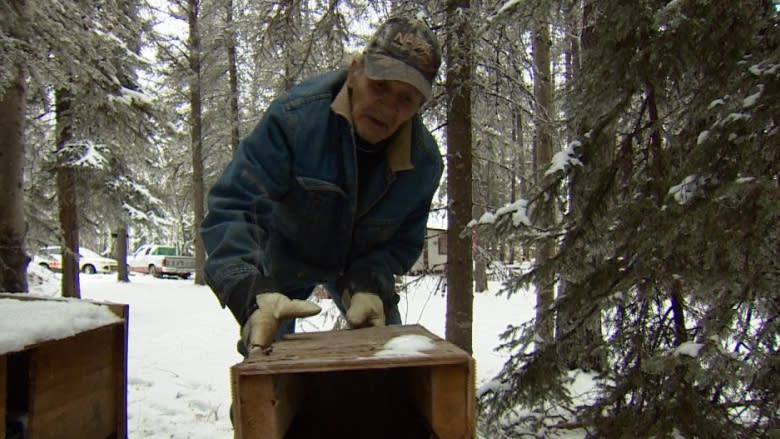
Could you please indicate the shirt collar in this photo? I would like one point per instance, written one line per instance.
(399, 152)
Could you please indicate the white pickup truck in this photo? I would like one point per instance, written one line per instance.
(161, 260)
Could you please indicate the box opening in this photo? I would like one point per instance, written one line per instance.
(375, 403)
(17, 397)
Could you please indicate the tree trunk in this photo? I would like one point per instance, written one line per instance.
(13, 259)
(519, 170)
(480, 260)
(66, 197)
(480, 190)
(460, 298)
(543, 155)
(121, 254)
(235, 135)
(196, 139)
(293, 59)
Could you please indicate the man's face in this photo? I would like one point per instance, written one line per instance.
(380, 107)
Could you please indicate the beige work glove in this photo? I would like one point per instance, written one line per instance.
(364, 309)
(260, 329)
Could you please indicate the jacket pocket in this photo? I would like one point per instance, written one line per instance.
(313, 218)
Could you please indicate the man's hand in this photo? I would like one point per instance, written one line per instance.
(260, 329)
(364, 309)
(362, 291)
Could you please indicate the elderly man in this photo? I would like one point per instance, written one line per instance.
(332, 187)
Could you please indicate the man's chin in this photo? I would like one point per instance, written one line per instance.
(372, 136)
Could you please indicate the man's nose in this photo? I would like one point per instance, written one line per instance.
(389, 106)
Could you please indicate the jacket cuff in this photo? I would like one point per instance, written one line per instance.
(366, 281)
(241, 300)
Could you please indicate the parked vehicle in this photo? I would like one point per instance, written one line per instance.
(49, 261)
(90, 262)
(501, 271)
(161, 260)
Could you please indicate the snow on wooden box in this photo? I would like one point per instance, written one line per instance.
(63, 368)
(389, 382)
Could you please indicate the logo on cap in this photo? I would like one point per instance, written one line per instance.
(404, 49)
(418, 49)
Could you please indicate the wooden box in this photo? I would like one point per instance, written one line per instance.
(69, 387)
(344, 384)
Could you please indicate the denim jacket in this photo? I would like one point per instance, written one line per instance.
(287, 213)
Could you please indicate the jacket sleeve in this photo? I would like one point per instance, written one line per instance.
(235, 228)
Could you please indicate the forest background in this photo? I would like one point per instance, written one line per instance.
(629, 149)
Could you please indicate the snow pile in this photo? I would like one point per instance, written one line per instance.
(406, 346)
(26, 322)
(43, 281)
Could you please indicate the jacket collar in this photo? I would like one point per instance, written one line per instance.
(399, 152)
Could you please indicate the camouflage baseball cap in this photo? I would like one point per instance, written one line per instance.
(404, 49)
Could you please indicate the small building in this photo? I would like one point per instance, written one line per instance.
(433, 258)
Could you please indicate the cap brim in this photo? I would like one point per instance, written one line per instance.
(380, 67)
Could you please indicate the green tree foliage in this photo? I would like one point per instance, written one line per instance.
(675, 242)
(92, 51)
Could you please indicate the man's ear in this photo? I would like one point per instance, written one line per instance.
(354, 69)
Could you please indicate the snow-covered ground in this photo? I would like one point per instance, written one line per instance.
(182, 344)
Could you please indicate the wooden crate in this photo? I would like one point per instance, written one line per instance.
(73, 387)
(331, 384)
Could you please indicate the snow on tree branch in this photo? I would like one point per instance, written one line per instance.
(564, 159)
(83, 154)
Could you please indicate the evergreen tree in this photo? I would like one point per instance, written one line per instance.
(83, 59)
(13, 95)
(675, 239)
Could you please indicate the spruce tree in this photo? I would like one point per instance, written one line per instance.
(674, 242)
